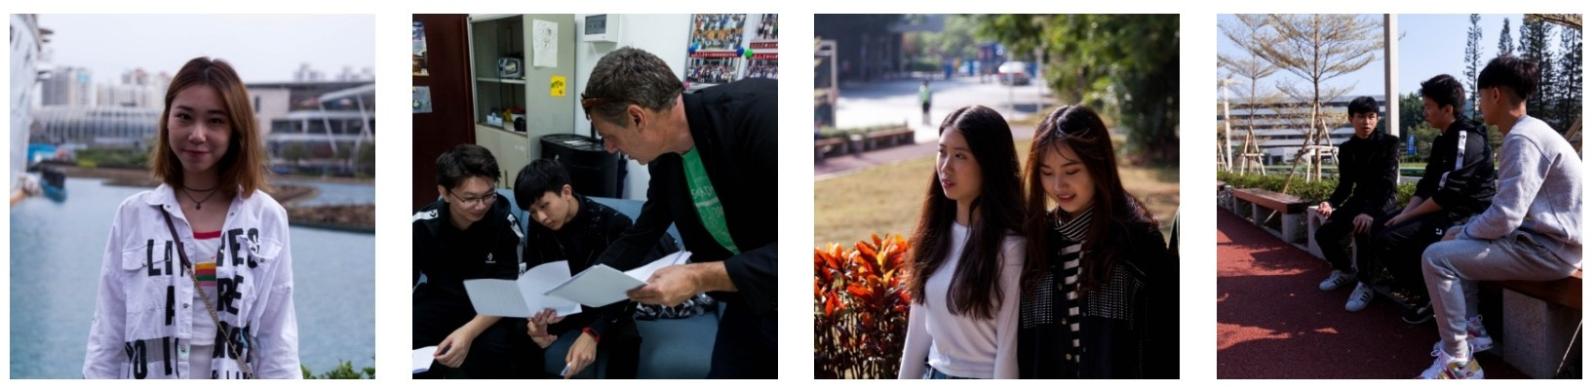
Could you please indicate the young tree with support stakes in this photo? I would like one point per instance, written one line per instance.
(1318, 48)
(1249, 30)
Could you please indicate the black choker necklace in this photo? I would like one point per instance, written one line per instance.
(199, 202)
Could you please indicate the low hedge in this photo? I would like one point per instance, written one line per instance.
(1301, 188)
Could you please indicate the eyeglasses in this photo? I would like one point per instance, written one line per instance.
(589, 102)
(473, 199)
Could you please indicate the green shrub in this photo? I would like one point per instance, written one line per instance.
(1310, 191)
(829, 132)
(118, 158)
(344, 370)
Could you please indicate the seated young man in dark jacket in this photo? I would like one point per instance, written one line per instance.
(1365, 193)
(574, 228)
(468, 233)
(1459, 180)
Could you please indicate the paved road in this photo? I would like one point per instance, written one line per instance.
(898, 101)
(843, 165)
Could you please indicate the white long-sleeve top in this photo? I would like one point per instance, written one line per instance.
(143, 325)
(958, 345)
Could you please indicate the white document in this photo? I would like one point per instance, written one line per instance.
(642, 273)
(545, 44)
(601, 285)
(524, 296)
(421, 359)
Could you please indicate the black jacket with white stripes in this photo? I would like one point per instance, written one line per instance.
(1459, 174)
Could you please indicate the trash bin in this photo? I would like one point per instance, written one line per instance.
(594, 171)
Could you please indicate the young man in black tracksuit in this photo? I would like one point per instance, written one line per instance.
(1459, 181)
(1363, 196)
(468, 233)
(574, 228)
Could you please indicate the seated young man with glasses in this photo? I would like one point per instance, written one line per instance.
(468, 233)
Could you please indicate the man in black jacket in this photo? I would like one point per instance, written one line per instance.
(576, 229)
(468, 233)
(711, 159)
(1459, 181)
(1364, 194)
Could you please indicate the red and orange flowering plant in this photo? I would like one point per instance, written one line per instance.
(861, 308)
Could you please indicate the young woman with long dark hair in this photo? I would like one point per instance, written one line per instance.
(1099, 295)
(967, 255)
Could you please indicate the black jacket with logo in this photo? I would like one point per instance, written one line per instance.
(448, 256)
(1459, 175)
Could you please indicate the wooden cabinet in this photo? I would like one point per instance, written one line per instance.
(449, 123)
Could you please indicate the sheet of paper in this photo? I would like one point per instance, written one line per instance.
(642, 273)
(545, 44)
(601, 285)
(597, 286)
(497, 298)
(535, 282)
(522, 298)
(421, 359)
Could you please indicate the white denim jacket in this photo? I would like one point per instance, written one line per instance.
(143, 318)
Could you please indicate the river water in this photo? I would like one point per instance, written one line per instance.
(55, 260)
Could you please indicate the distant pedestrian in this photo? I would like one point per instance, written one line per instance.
(925, 102)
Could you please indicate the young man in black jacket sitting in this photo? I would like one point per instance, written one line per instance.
(468, 233)
(1365, 194)
(574, 228)
(1459, 181)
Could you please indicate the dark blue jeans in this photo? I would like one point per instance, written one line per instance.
(934, 374)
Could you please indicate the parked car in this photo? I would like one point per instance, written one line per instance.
(1012, 73)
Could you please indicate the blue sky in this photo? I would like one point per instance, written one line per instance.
(1433, 44)
(1429, 45)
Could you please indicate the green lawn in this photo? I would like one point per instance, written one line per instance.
(887, 198)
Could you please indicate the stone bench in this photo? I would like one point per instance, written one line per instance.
(1540, 324)
(888, 138)
(1314, 222)
(828, 147)
(1279, 213)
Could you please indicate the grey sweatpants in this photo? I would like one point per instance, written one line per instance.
(1452, 267)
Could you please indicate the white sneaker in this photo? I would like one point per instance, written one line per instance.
(1479, 340)
(1361, 296)
(1447, 367)
(1335, 280)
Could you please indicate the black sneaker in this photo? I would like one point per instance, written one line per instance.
(1418, 314)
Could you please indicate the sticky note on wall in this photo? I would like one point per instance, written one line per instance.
(557, 86)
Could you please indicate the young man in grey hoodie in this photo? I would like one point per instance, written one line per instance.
(1531, 231)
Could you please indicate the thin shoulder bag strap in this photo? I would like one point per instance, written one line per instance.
(227, 343)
